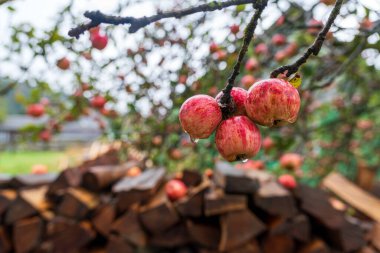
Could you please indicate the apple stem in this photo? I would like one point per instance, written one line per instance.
(136, 24)
(226, 102)
(314, 48)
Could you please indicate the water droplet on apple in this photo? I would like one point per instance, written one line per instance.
(194, 140)
(244, 160)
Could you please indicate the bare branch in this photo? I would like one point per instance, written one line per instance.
(98, 17)
(226, 103)
(314, 48)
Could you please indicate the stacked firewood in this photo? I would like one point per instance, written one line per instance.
(99, 208)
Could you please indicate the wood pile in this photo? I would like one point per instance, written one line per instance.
(97, 209)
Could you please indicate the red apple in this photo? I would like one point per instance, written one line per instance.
(209, 173)
(134, 171)
(364, 124)
(175, 189)
(238, 138)
(268, 143)
(366, 24)
(239, 96)
(280, 55)
(291, 49)
(98, 41)
(291, 161)
(234, 29)
(247, 81)
(35, 110)
(315, 26)
(288, 181)
(45, 136)
(280, 21)
(98, 101)
(39, 169)
(261, 49)
(63, 63)
(175, 154)
(214, 47)
(252, 64)
(87, 55)
(199, 116)
(182, 79)
(221, 55)
(278, 39)
(273, 102)
(328, 2)
(157, 140)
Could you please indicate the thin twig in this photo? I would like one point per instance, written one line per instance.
(98, 17)
(314, 48)
(226, 103)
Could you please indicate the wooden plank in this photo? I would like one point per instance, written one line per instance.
(353, 195)
(5, 244)
(6, 198)
(103, 219)
(27, 234)
(33, 180)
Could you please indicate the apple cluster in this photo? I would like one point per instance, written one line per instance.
(272, 102)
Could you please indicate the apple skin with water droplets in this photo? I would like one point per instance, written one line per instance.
(238, 138)
(199, 116)
(239, 95)
(273, 102)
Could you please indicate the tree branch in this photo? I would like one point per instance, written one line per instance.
(314, 48)
(226, 102)
(98, 17)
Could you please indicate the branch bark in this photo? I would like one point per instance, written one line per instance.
(98, 17)
(314, 48)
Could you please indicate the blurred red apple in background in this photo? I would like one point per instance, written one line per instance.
(291, 161)
(278, 39)
(175, 189)
(247, 81)
(35, 110)
(288, 181)
(63, 63)
(39, 169)
(251, 64)
(98, 101)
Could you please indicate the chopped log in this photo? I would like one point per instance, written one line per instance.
(27, 234)
(367, 249)
(315, 203)
(205, 232)
(5, 244)
(376, 236)
(29, 202)
(233, 180)
(275, 200)
(58, 224)
(238, 228)
(72, 238)
(103, 219)
(191, 177)
(278, 244)
(192, 204)
(251, 247)
(137, 189)
(262, 176)
(77, 203)
(100, 177)
(4, 181)
(33, 180)
(376, 190)
(6, 198)
(348, 238)
(129, 227)
(216, 203)
(353, 195)
(173, 237)
(159, 214)
(67, 178)
(118, 245)
(300, 228)
(315, 246)
(336, 229)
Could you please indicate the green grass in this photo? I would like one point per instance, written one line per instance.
(21, 161)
